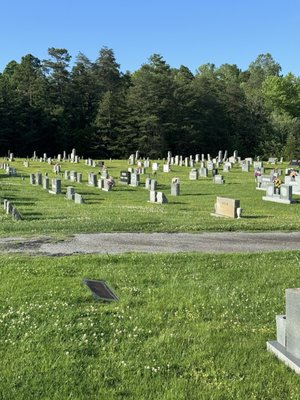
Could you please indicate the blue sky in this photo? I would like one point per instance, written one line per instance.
(189, 32)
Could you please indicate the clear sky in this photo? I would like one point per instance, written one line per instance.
(187, 32)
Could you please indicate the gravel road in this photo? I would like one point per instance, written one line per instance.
(113, 243)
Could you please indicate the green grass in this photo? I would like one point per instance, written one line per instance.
(127, 208)
(186, 326)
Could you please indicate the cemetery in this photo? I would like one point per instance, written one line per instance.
(182, 323)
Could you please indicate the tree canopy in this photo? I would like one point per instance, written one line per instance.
(52, 105)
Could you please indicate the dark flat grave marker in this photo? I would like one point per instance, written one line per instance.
(100, 290)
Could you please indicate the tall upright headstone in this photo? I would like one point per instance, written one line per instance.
(287, 345)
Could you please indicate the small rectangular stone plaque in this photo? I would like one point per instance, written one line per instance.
(100, 290)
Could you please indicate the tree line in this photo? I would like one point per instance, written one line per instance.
(49, 106)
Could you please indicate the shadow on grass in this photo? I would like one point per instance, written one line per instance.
(255, 216)
(198, 194)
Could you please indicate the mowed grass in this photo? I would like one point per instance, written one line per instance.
(186, 326)
(127, 208)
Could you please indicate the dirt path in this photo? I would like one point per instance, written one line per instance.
(113, 243)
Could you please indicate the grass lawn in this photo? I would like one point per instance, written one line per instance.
(186, 326)
(127, 208)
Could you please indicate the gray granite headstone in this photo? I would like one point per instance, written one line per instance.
(70, 193)
(152, 196)
(287, 345)
(135, 179)
(78, 198)
(153, 184)
(175, 189)
(193, 175)
(293, 321)
(56, 186)
(147, 183)
(32, 179)
(79, 177)
(161, 198)
(46, 183)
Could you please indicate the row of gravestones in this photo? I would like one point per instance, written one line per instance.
(133, 179)
(179, 160)
(38, 179)
(187, 161)
(8, 169)
(11, 209)
(283, 193)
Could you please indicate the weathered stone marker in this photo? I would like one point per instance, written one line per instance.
(225, 207)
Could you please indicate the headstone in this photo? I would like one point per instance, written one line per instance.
(32, 179)
(166, 168)
(135, 179)
(125, 177)
(203, 172)
(38, 178)
(287, 345)
(283, 194)
(210, 165)
(79, 177)
(193, 175)
(73, 176)
(67, 174)
(8, 207)
(175, 187)
(104, 173)
(245, 167)
(15, 214)
(78, 199)
(272, 160)
(147, 183)
(225, 207)
(70, 193)
(131, 159)
(152, 196)
(218, 179)
(92, 179)
(56, 186)
(153, 184)
(100, 183)
(161, 198)
(226, 167)
(46, 183)
(294, 163)
(262, 181)
(108, 184)
(155, 167)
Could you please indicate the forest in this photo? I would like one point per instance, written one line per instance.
(54, 105)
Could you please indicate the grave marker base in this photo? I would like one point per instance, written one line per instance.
(277, 200)
(284, 356)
